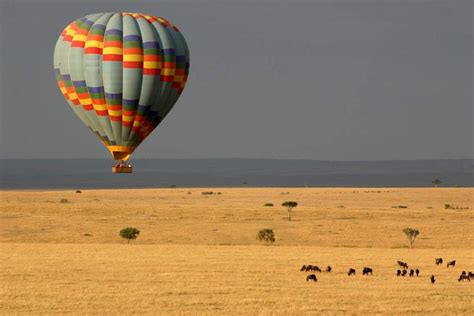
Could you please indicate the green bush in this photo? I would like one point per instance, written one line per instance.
(129, 233)
(266, 235)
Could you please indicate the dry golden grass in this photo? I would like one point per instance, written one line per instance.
(198, 253)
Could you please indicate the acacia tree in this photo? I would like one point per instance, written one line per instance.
(129, 233)
(289, 206)
(411, 234)
(267, 235)
(436, 182)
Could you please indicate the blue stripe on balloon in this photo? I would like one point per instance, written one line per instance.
(113, 96)
(132, 38)
(80, 83)
(95, 89)
(151, 45)
(169, 51)
(130, 102)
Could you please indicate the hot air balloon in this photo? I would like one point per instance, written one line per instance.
(121, 73)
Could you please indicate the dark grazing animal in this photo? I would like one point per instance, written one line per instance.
(328, 269)
(403, 264)
(433, 280)
(464, 277)
(399, 273)
(314, 268)
(439, 261)
(412, 273)
(310, 267)
(351, 272)
(404, 272)
(451, 263)
(366, 271)
(417, 272)
(311, 277)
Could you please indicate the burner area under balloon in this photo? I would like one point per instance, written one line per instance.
(122, 167)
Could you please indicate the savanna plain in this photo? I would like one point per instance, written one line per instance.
(198, 254)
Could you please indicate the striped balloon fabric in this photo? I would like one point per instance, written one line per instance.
(121, 73)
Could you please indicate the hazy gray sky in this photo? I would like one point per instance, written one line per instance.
(341, 80)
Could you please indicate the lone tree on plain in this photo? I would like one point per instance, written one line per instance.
(411, 234)
(436, 182)
(267, 235)
(289, 205)
(129, 233)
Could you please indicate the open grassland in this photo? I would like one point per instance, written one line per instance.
(198, 254)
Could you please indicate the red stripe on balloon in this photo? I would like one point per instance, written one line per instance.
(112, 57)
(93, 50)
(133, 64)
(151, 71)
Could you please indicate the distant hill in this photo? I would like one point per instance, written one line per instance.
(96, 173)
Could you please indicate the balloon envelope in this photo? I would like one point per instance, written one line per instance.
(121, 73)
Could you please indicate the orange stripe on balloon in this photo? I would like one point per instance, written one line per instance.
(133, 50)
(113, 44)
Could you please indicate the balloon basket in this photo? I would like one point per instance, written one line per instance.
(125, 169)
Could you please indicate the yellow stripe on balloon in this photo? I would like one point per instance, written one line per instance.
(80, 37)
(85, 101)
(152, 64)
(113, 50)
(100, 107)
(168, 71)
(126, 118)
(132, 57)
(94, 44)
(115, 112)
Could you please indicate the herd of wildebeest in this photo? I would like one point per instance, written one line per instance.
(402, 272)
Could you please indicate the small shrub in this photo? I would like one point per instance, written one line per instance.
(454, 207)
(268, 204)
(219, 193)
(78, 191)
(436, 182)
(411, 234)
(173, 186)
(207, 193)
(88, 235)
(64, 201)
(129, 233)
(266, 235)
